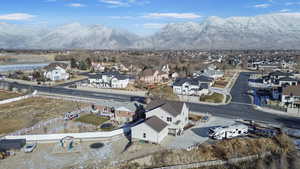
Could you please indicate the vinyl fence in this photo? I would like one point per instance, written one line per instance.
(56, 137)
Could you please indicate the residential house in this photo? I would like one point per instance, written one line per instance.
(151, 76)
(291, 98)
(119, 112)
(192, 86)
(275, 79)
(152, 130)
(287, 81)
(123, 115)
(98, 67)
(162, 118)
(56, 72)
(165, 69)
(109, 80)
(213, 73)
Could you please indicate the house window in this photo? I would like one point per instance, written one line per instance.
(144, 135)
(169, 119)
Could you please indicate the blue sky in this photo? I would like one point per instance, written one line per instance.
(140, 16)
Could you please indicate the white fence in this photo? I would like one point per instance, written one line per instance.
(18, 98)
(56, 137)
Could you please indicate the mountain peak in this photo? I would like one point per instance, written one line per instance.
(271, 31)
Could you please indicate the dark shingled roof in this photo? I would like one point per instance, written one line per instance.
(288, 79)
(155, 123)
(279, 73)
(172, 107)
(204, 79)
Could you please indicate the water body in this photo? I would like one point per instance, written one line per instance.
(18, 67)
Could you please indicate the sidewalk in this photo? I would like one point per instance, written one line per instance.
(272, 111)
(114, 91)
(195, 99)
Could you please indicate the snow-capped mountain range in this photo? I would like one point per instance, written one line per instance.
(272, 31)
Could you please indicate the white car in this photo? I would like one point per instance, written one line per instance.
(28, 148)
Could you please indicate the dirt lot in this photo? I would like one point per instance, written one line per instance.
(25, 113)
(10, 58)
(49, 156)
(8, 95)
(214, 98)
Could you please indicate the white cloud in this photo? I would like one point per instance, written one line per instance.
(285, 10)
(16, 16)
(115, 3)
(262, 5)
(76, 5)
(173, 15)
(154, 25)
(124, 3)
(292, 3)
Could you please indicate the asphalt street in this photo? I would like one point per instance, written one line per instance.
(239, 108)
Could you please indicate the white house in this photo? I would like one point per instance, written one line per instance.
(192, 86)
(212, 73)
(171, 112)
(109, 80)
(152, 130)
(164, 117)
(56, 73)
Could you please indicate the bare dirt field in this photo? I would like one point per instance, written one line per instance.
(9, 58)
(45, 157)
(26, 113)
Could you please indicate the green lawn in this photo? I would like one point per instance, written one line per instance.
(214, 98)
(92, 119)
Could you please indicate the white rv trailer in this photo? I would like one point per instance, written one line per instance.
(226, 132)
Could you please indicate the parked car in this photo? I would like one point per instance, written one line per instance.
(28, 148)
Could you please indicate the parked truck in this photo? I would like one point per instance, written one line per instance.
(227, 132)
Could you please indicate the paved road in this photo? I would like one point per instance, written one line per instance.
(240, 107)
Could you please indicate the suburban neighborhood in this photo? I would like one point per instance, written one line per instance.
(126, 113)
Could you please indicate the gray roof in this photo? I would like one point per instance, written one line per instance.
(172, 107)
(180, 81)
(204, 86)
(287, 79)
(279, 73)
(203, 79)
(110, 74)
(156, 123)
(193, 81)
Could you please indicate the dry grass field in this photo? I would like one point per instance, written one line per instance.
(221, 150)
(26, 113)
(13, 58)
(8, 95)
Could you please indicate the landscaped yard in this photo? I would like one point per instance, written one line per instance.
(214, 98)
(26, 113)
(92, 119)
(8, 95)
